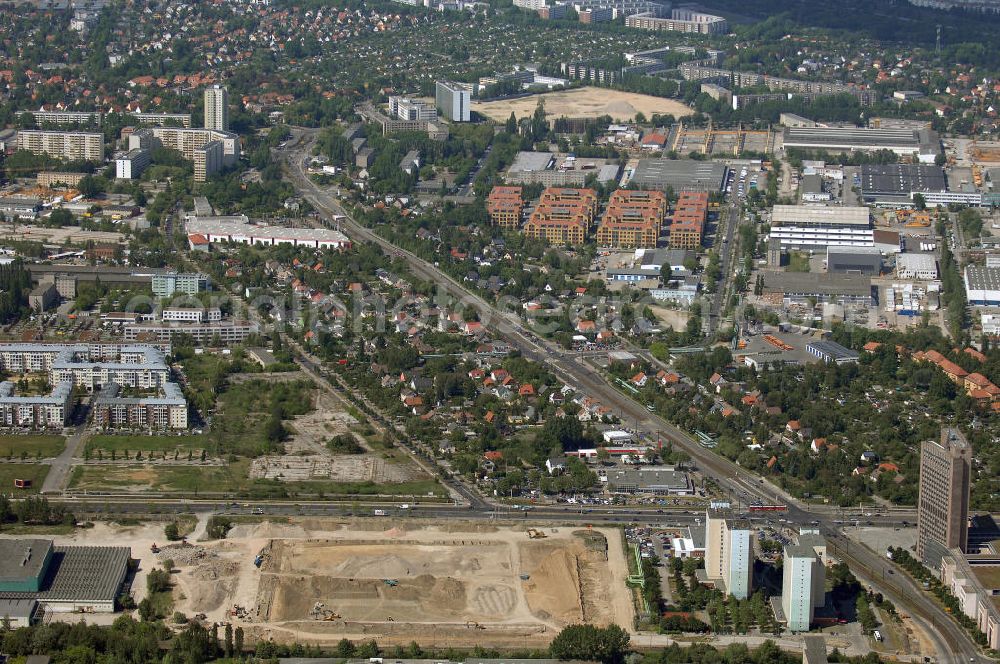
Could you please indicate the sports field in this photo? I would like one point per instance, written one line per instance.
(584, 103)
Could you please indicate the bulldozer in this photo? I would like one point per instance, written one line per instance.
(534, 533)
(473, 623)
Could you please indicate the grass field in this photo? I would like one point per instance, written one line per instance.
(35, 472)
(133, 444)
(181, 479)
(32, 446)
(798, 262)
(583, 103)
(231, 479)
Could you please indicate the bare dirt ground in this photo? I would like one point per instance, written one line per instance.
(582, 103)
(398, 585)
(307, 457)
(452, 581)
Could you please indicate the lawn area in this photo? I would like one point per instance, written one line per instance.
(40, 446)
(181, 479)
(798, 262)
(35, 472)
(133, 444)
(229, 479)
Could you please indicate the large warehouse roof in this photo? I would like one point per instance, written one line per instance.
(901, 179)
(22, 559)
(809, 215)
(854, 138)
(816, 283)
(680, 174)
(81, 574)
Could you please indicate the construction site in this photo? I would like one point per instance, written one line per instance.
(715, 141)
(322, 581)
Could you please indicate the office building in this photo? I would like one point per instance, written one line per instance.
(680, 20)
(69, 145)
(982, 285)
(223, 333)
(633, 219)
(943, 501)
(412, 110)
(453, 101)
(505, 206)
(237, 230)
(63, 579)
(130, 165)
(729, 555)
(191, 315)
(649, 480)
(687, 225)
(916, 266)
(816, 227)
(533, 5)
(803, 580)
(217, 108)
(43, 297)
(167, 283)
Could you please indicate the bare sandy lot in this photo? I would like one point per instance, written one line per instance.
(583, 103)
(322, 579)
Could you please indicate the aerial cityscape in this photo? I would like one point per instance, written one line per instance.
(492, 332)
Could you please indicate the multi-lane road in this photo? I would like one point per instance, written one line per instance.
(951, 642)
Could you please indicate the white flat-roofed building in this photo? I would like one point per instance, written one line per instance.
(916, 266)
(163, 119)
(245, 233)
(982, 286)
(184, 315)
(131, 164)
(71, 145)
(904, 142)
(67, 117)
(223, 332)
(816, 227)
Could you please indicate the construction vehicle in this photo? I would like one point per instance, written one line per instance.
(534, 533)
(391, 582)
(153, 548)
(259, 560)
(473, 623)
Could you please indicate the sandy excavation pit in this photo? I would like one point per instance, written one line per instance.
(445, 581)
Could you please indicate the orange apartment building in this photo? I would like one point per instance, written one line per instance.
(563, 216)
(687, 227)
(505, 205)
(633, 219)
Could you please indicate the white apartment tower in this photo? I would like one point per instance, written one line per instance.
(217, 108)
(728, 551)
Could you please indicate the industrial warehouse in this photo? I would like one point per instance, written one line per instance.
(206, 231)
(37, 577)
(904, 142)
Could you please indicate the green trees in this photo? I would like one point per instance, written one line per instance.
(608, 645)
(171, 531)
